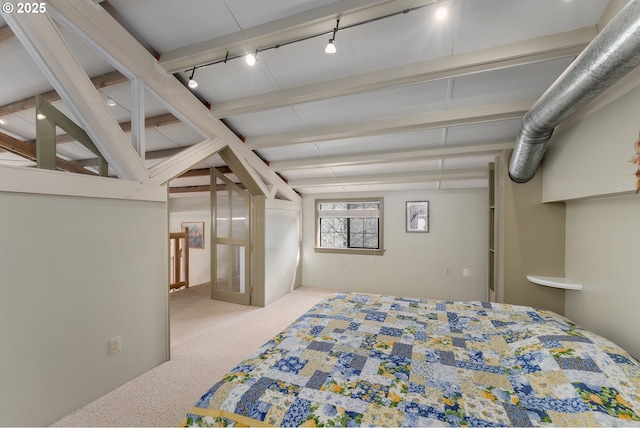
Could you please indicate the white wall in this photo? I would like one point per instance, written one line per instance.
(590, 156)
(414, 264)
(76, 272)
(587, 163)
(602, 254)
(194, 209)
(282, 246)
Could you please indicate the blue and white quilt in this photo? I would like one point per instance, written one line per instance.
(371, 360)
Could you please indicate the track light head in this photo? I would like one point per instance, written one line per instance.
(331, 48)
(251, 59)
(192, 83)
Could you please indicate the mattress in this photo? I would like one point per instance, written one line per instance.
(372, 360)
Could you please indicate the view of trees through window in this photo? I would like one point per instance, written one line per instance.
(349, 225)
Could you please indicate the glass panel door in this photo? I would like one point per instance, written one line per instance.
(231, 254)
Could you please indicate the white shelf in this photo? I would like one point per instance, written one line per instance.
(553, 281)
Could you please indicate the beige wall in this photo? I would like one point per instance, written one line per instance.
(602, 254)
(189, 210)
(76, 272)
(588, 165)
(414, 264)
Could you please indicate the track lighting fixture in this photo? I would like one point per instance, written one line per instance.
(251, 59)
(192, 83)
(331, 48)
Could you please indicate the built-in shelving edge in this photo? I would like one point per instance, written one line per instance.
(553, 281)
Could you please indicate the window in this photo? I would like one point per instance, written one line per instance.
(352, 226)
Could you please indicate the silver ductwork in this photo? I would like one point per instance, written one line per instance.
(612, 54)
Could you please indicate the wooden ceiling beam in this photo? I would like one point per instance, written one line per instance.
(101, 81)
(5, 33)
(28, 151)
(202, 188)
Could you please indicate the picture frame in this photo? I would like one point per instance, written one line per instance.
(196, 233)
(417, 216)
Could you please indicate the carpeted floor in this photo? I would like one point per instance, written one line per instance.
(208, 338)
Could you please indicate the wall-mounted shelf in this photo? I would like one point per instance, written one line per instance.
(554, 281)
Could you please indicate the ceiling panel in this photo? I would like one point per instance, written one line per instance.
(496, 131)
(387, 168)
(172, 24)
(507, 84)
(495, 22)
(267, 122)
(297, 151)
(379, 143)
(392, 102)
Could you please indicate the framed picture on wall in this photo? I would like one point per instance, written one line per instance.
(417, 216)
(196, 233)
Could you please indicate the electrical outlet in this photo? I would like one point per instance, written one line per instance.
(114, 345)
(465, 272)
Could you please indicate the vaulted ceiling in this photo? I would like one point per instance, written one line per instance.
(407, 101)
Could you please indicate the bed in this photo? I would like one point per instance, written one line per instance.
(371, 360)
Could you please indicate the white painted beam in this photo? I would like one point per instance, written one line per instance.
(519, 53)
(181, 162)
(411, 177)
(371, 158)
(310, 23)
(420, 121)
(91, 22)
(42, 40)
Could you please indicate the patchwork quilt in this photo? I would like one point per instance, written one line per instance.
(371, 360)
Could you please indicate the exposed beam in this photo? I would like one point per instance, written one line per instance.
(420, 121)
(411, 177)
(369, 158)
(545, 48)
(49, 50)
(314, 22)
(181, 162)
(5, 33)
(205, 172)
(202, 188)
(150, 122)
(101, 81)
(94, 23)
(28, 151)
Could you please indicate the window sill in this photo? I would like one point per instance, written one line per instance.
(361, 251)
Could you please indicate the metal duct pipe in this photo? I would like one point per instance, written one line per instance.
(611, 55)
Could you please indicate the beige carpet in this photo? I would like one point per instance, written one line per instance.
(208, 338)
